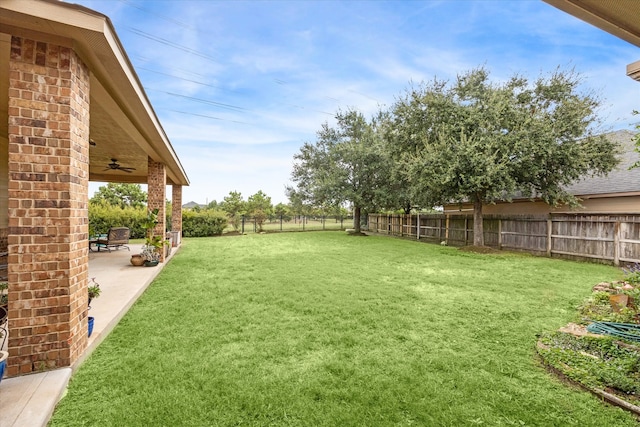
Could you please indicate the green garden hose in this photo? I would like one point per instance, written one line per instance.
(627, 331)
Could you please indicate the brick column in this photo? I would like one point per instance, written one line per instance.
(156, 185)
(47, 198)
(176, 210)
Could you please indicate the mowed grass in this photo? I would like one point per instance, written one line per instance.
(327, 329)
(309, 224)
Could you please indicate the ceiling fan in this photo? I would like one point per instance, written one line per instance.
(115, 166)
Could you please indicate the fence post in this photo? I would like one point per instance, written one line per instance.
(342, 225)
(322, 217)
(446, 229)
(410, 224)
(466, 228)
(616, 243)
(304, 217)
(418, 227)
(242, 224)
(549, 234)
(499, 233)
(280, 222)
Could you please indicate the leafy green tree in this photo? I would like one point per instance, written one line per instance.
(259, 206)
(282, 211)
(298, 202)
(345, 164)
(235, 207)
(397, 194)
(477, 141)
(213, 205)
(121, 195)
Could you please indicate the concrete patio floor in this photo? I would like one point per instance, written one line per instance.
(29, 400)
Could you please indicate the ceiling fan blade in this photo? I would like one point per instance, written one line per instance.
(114, 165)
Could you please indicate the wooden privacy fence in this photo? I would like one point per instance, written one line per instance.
(613, 238)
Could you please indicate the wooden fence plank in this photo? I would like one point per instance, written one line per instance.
(612, 238)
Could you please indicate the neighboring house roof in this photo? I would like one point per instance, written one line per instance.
(123, 124)
(619, 181)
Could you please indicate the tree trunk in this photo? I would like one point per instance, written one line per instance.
(356, 218)
(478, 229)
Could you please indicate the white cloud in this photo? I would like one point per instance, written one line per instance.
(282, 69)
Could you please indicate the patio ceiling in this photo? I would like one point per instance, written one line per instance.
(620, 18)
(123, 125)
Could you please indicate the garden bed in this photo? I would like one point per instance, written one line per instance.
(608, 366)
(603, 365)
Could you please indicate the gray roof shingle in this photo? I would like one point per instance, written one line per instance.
(619, 180)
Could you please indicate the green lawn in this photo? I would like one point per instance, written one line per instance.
(326, 329)
(310, 224)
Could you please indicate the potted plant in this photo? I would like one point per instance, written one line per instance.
(93, 293)
(93, 290)
(3, 362)
(152, 249)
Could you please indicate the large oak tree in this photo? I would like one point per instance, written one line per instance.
(478, 141)
(345, 164)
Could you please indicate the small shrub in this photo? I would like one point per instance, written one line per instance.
(597, 308)
(103, 216)
(203, 224)
(632, 274)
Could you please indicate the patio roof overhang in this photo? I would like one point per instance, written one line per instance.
(123, 124)
(617, 17)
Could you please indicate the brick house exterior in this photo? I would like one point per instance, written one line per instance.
(65, 81)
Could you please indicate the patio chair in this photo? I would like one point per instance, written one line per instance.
(116, 238)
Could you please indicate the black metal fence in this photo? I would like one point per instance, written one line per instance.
(281, 223)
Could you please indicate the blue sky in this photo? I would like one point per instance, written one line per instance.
(239, 86)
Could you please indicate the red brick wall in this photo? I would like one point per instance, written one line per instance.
(48, 199)
(176, 209)
(156, 195)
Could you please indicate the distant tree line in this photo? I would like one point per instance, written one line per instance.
(125, 205)
(260, 209)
